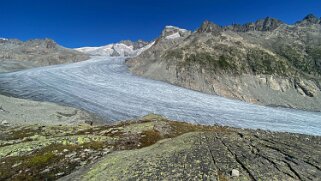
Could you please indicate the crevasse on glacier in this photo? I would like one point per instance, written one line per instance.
(104, 86)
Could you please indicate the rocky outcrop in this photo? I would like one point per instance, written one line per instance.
(173, 32)
(155, 148)
(136, 45)
(309, 19)
(212, 153)
(215, 156)
(209, 27)
(266, 62)
(266, 24)
(170, 36)
(17, 55)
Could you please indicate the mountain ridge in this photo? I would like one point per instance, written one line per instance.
(17, 55)
(266, 62)
(123, 48)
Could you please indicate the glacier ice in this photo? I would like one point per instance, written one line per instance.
(104, 86)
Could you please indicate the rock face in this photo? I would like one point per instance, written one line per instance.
(235, 173)
(173, 32)
(209, 27)
(266, 24)
(136, 45)
(309, 19)
(16, 54)
(266, 62)
(170, 37)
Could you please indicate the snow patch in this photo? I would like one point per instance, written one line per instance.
(139, 51)
(175, 27)
(115, 49)
(173, 36)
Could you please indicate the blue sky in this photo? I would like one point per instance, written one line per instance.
(76, 23)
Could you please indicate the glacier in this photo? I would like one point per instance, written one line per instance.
(103, 85)
(115, 49)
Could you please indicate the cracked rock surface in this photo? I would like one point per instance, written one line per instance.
(155, 148)
(212, 155)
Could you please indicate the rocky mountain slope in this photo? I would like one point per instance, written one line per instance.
(17, 55)
(266, 62)
(124, 48)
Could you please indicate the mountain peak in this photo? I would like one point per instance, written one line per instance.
(124, 48)
(173, 32)
(127, 42)
(135, 44)
(174, 27)
(3, 40)
(209, 27)
(47, 43)
(50, 43)
(309, 19)
(264, 24)
(267, 24)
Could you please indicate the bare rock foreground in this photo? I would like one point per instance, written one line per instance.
(155, 148)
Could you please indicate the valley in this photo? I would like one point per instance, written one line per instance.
(220, 102)
(104, 86)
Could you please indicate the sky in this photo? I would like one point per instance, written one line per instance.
(78, 23)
